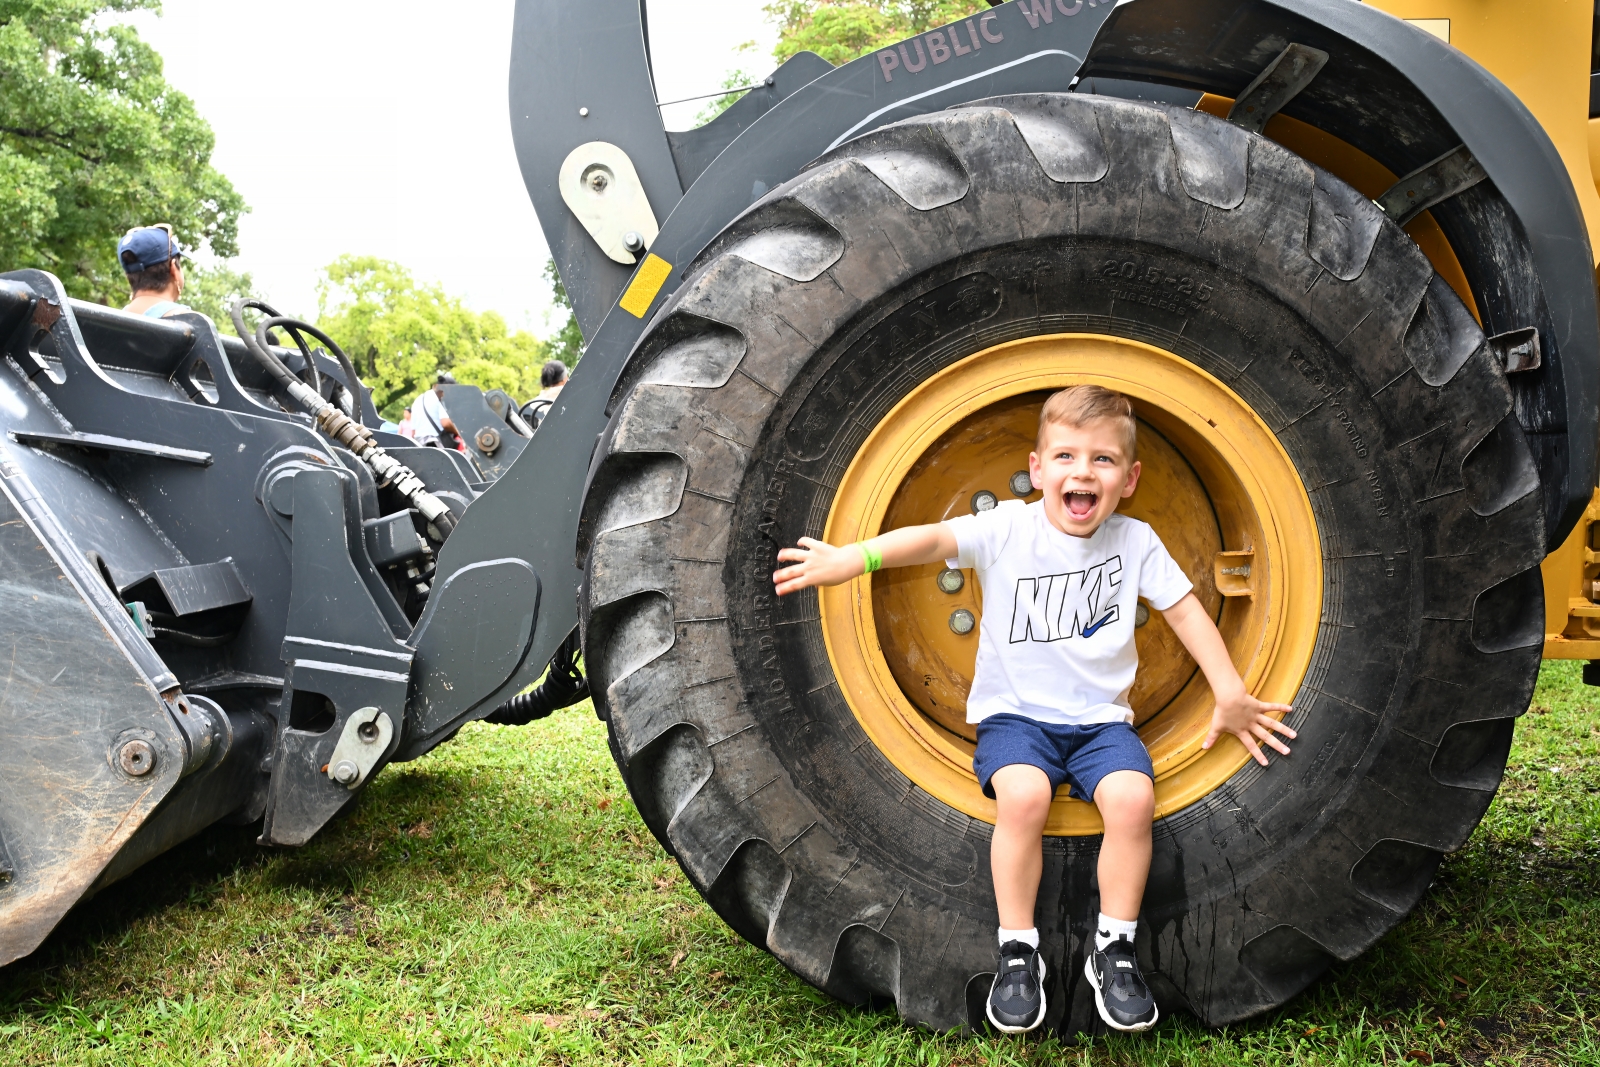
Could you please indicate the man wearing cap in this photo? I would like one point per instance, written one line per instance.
(150, 256)
(431, 421)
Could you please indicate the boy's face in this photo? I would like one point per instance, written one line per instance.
(1083, 472)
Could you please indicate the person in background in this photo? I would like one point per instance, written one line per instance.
(150, 258)
(432, 425)
(406, 427)
(552, 377)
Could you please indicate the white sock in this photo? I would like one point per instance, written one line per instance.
(1029, 937)
(1107, 930)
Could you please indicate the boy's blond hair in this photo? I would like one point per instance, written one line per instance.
(1079, 405)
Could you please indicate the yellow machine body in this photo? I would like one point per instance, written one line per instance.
(1542, 52)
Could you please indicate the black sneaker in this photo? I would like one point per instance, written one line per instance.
(1016, 1000)
(1120, 994)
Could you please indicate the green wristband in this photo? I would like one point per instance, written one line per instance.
(871, 558)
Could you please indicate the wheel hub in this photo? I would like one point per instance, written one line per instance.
(1216, 486)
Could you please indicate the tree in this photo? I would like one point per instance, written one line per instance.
(94, 141)
(735, 80)
(842, 30)
(212, 291)
(567, 344)
(398, 333)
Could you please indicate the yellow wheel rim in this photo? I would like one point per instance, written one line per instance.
(1218, 488)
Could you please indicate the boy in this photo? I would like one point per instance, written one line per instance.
(1056, 660)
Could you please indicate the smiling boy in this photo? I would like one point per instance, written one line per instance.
(1056, 660)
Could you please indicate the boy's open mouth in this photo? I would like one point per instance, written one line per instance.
(1081, 505)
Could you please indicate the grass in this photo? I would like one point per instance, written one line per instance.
(500, 901)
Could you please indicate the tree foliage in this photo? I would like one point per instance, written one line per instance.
(93, 141)
(212, 291)
(842, 30)
(567, 344)
(735, 79)
(398, 332)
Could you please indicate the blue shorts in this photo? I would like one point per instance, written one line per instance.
(1080, 755)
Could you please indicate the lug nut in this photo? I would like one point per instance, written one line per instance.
(136, 758)
(346, 772)
(983, 500)
(951, 580)
(962, 621)
(633, 242)
(1021, 484)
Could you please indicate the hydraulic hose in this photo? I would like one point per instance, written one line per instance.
(563, 686)
(352, 382)
(333, 422)
(313, 377)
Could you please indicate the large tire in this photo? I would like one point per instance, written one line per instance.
(921, 243)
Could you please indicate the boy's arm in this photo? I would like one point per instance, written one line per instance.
(1238, 713)
(818, 563)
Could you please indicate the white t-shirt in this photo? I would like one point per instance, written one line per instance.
(1056, 639)
(428, 414)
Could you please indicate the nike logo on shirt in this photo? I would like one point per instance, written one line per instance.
(1054, 607)
(1088, 631)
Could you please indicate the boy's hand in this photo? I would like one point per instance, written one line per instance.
(1238, 713)
(817, 563)
(1247, 718)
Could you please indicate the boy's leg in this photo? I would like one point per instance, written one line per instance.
(1114, 765)
(1019, 766)
(1127, 803)
(1022, 796)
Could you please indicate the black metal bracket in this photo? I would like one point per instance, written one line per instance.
(1518, 350)
(493, 444)
(1275, 86)
(1433, 183)
(341, 653)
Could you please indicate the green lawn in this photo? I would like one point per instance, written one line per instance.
(499, 901)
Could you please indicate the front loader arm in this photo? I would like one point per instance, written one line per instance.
(533, 512)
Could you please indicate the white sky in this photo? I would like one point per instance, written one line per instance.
(383, 129)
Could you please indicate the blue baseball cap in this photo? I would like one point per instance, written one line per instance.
(144, 247)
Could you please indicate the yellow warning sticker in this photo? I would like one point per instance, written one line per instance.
(647, 282)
